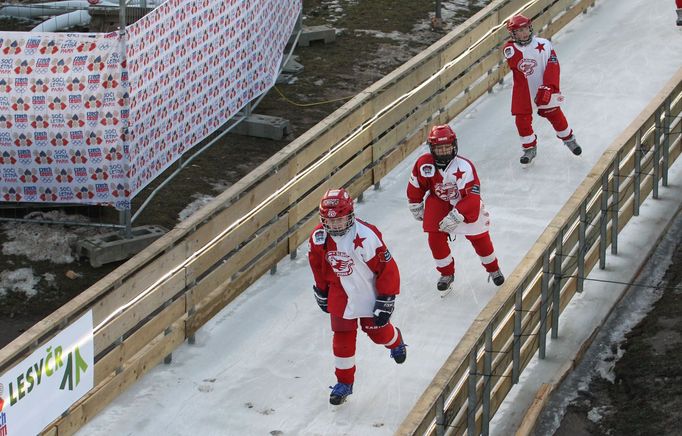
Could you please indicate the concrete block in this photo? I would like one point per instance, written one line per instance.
(112, 247)
(322, 33)
(262, 126)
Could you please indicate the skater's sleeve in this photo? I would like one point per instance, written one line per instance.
(417, 187)
(552, 74)
(509, 52)
(316, 259)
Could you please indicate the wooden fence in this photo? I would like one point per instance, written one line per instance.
(151, 304)
(469, 388)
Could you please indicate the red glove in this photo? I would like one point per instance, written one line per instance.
(544, 95)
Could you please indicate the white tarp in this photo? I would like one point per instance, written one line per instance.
(195, 64)
(79, 125)
(62, 109)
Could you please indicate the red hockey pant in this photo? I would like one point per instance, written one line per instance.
(445, 263)
(524, 125)
(679, 4)
(343, 342)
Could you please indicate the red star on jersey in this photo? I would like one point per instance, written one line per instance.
(540, 47)
(357, 242)
(458, 174)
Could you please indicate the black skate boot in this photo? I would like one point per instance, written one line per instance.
(528, 155)
(497, 277)
(399, 353)
(444, 283)
(572, 145)
(340, 392)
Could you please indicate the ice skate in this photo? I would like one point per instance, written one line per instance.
(444, 284)
(497, 277)
(679, 17)
(572, 145)
(340, 392)
(399, 353)
(528, 155)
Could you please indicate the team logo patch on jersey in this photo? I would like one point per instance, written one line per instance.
(427, 170)
(508, 52)
(447, 191)
(341, 263)
(527, 66)
(385, 256)
(319, 236)
(476, 189)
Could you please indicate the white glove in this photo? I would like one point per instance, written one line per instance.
(451, 221)
(417, 210)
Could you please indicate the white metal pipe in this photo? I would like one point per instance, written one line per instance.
(64, 21)
(49, 8)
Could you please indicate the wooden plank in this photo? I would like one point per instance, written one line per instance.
(437, 102)
(235, 236)
(476, 91)
(235, 263)
(566, 18)
(223, 295)
(397, 155)
(138, 282)
(116, 357)
(310, 201)
(137, 312)
(244, 205)
(429, 88)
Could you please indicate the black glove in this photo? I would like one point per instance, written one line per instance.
(383, 308)
(321, 298)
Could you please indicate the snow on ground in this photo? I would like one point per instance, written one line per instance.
(20, 280)
(263, 365)
(200, 200)
(30, 241)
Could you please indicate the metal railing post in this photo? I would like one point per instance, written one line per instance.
(556, 295)
(615, 204)
(518, 319)
(542, 339)
(657, 153)
(582, 248)
(638, 173)
(125, 222)
(440, 416)
(487, 380)
(471, 402)
(666, 140)
(603, 219)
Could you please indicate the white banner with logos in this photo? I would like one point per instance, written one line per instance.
(40, 388)
(80, 124)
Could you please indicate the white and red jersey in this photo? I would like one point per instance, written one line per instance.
(532, 65)
(457, 184)
(353, 269)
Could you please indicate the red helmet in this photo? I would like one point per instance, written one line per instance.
(336, 211)
(515, 23)
(443, 144)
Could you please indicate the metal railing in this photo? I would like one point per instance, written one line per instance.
(473, 382)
